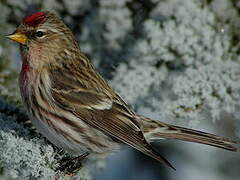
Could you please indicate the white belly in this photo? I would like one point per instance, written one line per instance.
(57, 139)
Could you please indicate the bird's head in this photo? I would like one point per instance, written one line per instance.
(43, 35)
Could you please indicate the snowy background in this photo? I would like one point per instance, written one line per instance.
(173, 60)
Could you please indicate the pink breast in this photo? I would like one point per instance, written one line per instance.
(24, 78)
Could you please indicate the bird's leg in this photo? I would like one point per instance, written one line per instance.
(71, 165)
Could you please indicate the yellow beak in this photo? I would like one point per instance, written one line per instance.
(18, 37)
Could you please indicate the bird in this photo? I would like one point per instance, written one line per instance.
(71, 104)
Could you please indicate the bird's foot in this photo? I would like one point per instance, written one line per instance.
(70, 166)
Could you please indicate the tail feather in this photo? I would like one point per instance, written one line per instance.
(155, 130)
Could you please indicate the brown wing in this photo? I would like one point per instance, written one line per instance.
(74, 89)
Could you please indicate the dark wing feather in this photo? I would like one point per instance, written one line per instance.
(74, 89)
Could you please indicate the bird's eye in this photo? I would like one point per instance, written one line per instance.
(39, 34)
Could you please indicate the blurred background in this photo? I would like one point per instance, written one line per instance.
(172, 60)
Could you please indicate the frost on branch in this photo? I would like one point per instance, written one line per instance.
(25, 154)
(184, 66)
(22, 156)
(116, 18)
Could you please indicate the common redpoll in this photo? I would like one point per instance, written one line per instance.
(74, 107)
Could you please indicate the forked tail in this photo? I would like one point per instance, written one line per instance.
(155, 130)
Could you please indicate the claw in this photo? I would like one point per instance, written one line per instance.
(70, 166)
